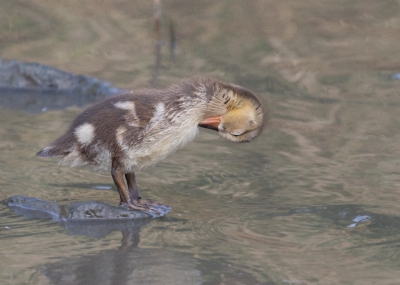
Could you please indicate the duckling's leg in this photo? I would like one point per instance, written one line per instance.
(133, 189)
(130, 195)
(119, 182)
(149, 206)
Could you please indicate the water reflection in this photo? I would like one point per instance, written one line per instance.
(126, 264)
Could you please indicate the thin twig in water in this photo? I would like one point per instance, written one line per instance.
(157, 31)
(172, 43)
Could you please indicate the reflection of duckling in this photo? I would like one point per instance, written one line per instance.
(138, 129)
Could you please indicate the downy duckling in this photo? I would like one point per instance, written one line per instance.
(128, 132)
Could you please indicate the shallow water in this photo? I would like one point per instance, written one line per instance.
(313, 200)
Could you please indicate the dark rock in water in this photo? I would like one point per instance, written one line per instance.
(32, 207)
(76, 211)
(93, 219)
(34, 87)
(92, 210)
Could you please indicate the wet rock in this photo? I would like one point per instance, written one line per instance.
(32, 207)
(93, 219)
(35, 87)
(91, 210)
(76, 211)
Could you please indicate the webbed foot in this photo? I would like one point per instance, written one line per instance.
(130, 195)
(156, 210)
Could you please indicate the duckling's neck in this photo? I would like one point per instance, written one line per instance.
(218, 97)
(220, 100)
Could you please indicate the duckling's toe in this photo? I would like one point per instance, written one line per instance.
(156, 210)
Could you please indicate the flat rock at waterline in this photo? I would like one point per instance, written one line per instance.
(76, 211)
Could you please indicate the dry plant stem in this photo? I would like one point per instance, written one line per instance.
(157, 31)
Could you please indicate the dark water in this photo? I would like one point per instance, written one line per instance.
(314, 200)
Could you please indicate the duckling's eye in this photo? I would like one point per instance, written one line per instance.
(251, 122)
(237, 133)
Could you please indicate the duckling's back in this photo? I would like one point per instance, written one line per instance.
(139, 128)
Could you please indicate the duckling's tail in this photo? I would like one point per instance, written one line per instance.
(48, 151)
(62, 147)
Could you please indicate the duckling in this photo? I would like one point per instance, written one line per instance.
(126, 133)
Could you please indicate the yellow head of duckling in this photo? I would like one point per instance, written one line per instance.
(243, 118)
(243, 123)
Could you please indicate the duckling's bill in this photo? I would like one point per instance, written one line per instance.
(211, 123)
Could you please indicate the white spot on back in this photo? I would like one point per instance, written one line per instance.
(133, 119)
(85, 133)
(125, 105)
(119, 135)
(160, 109)
(157, 118)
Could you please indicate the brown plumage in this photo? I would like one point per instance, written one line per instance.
(128, 132)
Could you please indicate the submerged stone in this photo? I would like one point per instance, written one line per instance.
(32, 207)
